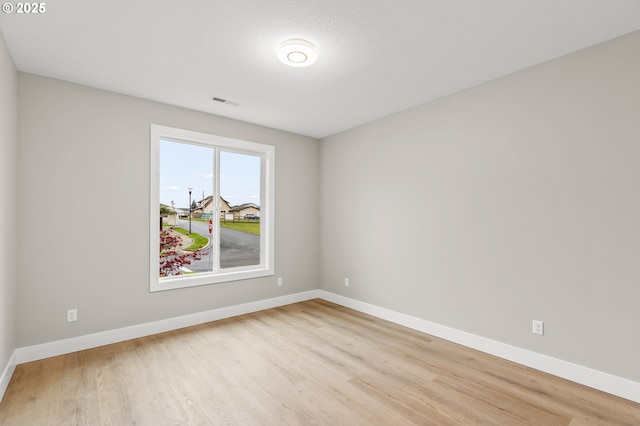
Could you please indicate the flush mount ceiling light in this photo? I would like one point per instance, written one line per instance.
(297, 53)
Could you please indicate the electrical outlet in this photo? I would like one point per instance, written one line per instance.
(346, 282)
(280, 282)
(72, 315)
(538, 327)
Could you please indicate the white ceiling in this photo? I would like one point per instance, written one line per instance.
(376, 57)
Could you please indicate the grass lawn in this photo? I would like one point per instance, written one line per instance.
(250, 227)
(198, 240)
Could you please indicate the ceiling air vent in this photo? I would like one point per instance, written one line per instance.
(225, 101)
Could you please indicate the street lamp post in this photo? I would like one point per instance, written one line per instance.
(190, 188)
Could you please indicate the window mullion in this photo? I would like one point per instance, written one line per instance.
(216, 216)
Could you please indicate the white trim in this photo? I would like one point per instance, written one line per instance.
(61, 347)
(7, 373)
(605, 382)
(589, 377)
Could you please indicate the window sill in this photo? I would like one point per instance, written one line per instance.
(185, 281)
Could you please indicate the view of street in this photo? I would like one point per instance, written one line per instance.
(236, 248)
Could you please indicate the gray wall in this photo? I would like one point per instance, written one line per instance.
(84, 212)
(512, 201)
(8, 201)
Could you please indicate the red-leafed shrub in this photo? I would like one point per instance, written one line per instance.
(171, 258)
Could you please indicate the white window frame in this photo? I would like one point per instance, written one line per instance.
(267, 182)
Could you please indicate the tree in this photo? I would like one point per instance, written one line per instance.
(166, 210)
(172, 259)
(194, 205)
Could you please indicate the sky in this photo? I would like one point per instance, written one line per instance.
(184, 165)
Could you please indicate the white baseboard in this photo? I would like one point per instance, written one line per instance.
(576, 373)
(593, 378)
(7, 373)
(74, 344)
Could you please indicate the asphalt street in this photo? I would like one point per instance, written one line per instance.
(236, 248)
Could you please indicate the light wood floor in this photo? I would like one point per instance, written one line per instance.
(308, 363)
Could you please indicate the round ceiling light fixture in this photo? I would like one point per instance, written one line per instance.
(297, 53)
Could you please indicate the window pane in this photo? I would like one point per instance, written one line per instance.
(240, 223)
(186, 205)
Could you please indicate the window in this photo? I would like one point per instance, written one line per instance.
(211, 214)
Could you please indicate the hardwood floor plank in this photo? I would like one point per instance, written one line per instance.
(308, 363)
